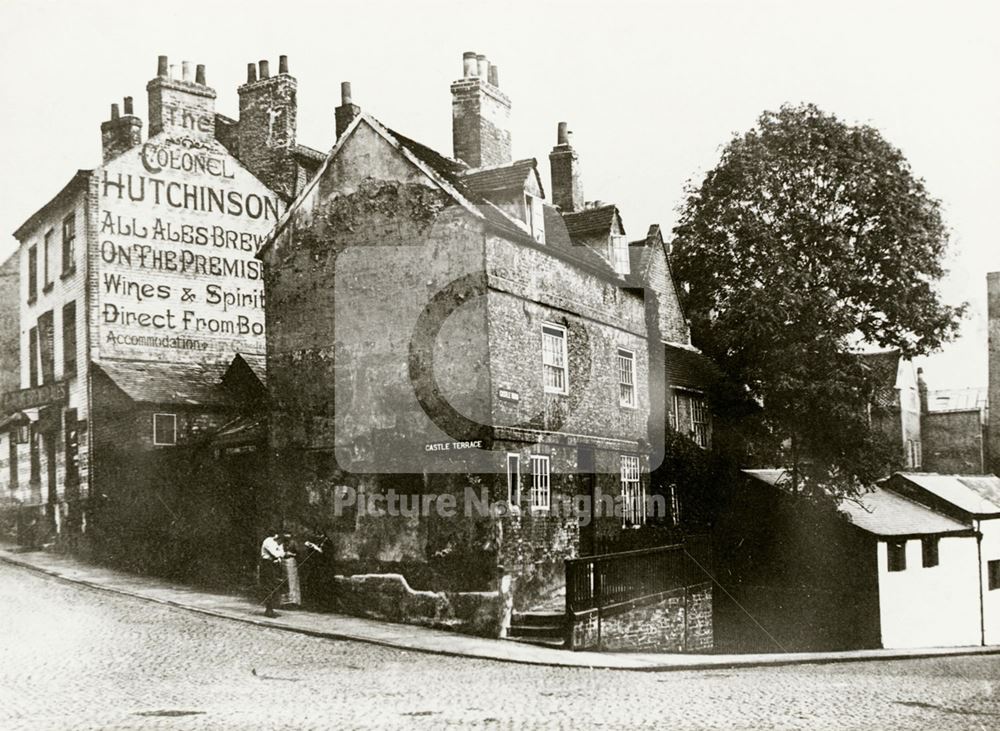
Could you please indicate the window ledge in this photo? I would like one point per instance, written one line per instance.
(32, 300)
(48, 287)
(67, 273)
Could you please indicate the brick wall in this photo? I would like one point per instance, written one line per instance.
(676, 621)
(953, 442)
(480, 119)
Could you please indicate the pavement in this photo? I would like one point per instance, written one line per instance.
(424, 639)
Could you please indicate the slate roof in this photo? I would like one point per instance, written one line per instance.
(974, 494)
(76, 183)
(501, 179)
(592, 221)
(687, 367)
(880, 512)
(194, 384)
(886, 513)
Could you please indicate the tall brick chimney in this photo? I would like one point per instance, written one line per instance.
(183, 106)
(120, 133)
(480, 115)
(266, 133)
(347, 110)
(567, 190)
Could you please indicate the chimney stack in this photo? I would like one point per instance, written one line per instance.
(266, 130)
(567, 190)
(480, 115)
(347, 110)
(180, 106)
(120, 133)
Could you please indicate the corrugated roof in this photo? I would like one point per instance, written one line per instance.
(880, 512)
(956, 399)
(592, 221)
(689, 368)
(976, 494)
(196, 384)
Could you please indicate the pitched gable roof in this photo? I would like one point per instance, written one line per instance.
(592, 221)
(880, 512)
(688, 367)
(973, 494)
(77, 183)
(156, 382)
(503, 178)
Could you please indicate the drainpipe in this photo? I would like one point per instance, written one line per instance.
(979, 565)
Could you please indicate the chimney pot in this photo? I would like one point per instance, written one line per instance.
(162, 67)
(469, 64)
(493, 76)
(282, 64)
(186, 70)
(482, 67)
(199, 74)
(173, 73)
(562, 134)
(264, 72)
(128, 105)
(251, 73)
(345, 92)
(114, 112)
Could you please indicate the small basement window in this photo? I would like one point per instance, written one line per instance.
(897, 555)
(164, 430)
(929, 551)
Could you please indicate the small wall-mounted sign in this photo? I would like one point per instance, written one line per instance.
(506, 394)
(452, 446)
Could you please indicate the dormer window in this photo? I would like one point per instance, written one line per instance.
(618, 253)
(534, 216)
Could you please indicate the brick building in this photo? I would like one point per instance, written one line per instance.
(141, 316)
(437, 329)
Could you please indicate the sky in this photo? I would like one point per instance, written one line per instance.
(651, 91)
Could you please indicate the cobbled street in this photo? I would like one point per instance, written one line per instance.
(78, 658)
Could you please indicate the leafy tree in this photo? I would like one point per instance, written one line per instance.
(810, 239)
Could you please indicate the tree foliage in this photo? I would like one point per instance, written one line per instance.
(812, 238)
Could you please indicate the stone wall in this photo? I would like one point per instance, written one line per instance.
(674, 621)
(390, 597)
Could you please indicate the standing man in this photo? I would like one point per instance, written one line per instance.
(270, 570)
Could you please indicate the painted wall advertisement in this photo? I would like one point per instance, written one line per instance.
(180, 221)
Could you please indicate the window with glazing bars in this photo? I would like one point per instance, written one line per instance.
(540, 486)
(626, 377)
(633, 499)
(555, 375)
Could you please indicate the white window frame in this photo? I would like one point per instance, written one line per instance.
(541, 482)
(156, 441)
(618, 253)
(626, 378)
(633, 492)
(695, 399)
(534, 217)
(562, 353)
(513, 490)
